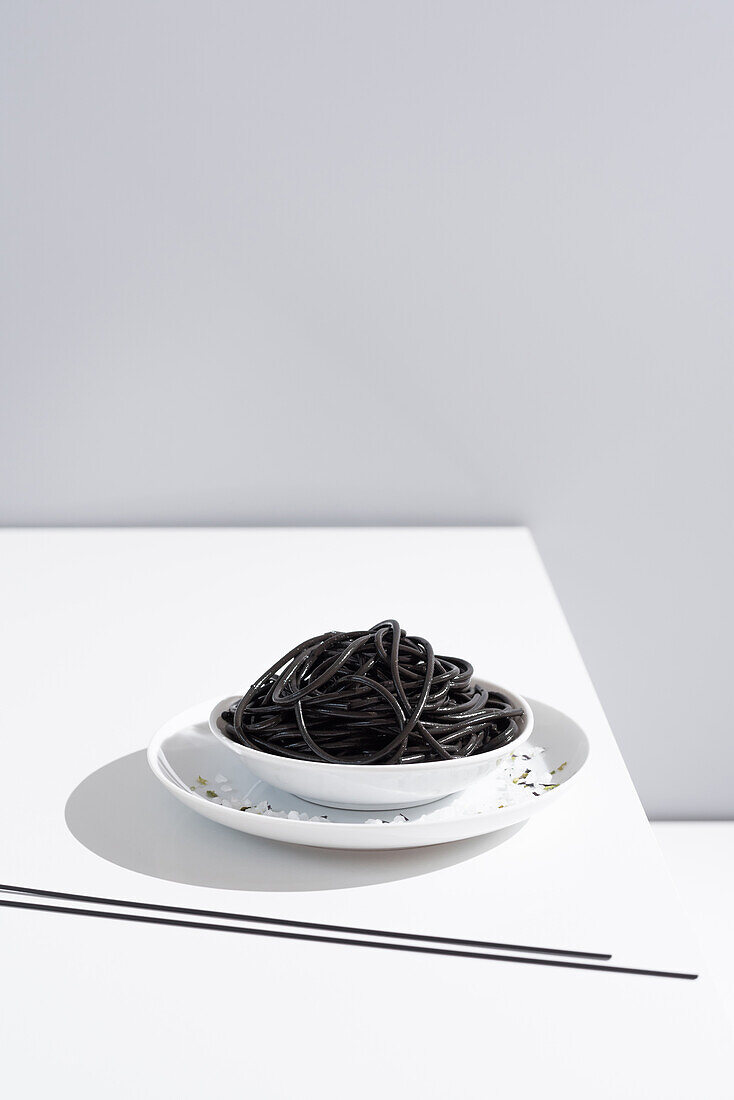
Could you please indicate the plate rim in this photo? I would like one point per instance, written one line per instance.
(285, 825)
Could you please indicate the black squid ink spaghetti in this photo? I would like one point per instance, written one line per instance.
(377, 696)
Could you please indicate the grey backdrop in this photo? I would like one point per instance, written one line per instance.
(399, 262)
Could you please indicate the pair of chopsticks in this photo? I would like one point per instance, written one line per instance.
(278, 928)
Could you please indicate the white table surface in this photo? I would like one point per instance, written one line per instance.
(700, 855)
(106, 634)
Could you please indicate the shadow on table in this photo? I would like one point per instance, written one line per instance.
(122, 814)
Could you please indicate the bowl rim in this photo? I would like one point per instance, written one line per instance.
(373, 769)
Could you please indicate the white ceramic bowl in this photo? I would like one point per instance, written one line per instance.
(372, 786)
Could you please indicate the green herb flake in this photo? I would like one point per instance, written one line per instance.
(561, 766)
(211, 794)
(192, 788)
(202, 782)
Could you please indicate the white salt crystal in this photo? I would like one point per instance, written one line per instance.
(220, 778)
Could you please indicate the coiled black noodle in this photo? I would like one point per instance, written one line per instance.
(371, 697)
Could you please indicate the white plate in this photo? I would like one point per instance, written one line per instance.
(184, 751)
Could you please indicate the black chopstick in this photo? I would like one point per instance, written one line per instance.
(380, 945)
(31, 892)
